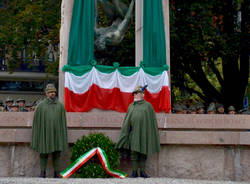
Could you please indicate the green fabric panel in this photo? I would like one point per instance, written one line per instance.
(126, 71)
(105, 69)
(154, 46)
(81, 37)
(77, 70)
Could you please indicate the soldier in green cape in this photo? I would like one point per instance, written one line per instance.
(139, 132)
(49, 130)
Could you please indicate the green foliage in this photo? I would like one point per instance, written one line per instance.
(28, 29)
(52, 67)
(209, 43)
(93, 168)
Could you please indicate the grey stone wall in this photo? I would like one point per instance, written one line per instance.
(173, 161)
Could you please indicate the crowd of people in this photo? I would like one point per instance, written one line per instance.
(21, 106)
(213, 108)
(16, 106)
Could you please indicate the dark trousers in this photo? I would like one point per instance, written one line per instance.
(138, 161)
(44, 160)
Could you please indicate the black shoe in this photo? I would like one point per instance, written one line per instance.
(144, 175)
(134, 174)
(43, 174)
(56, 175)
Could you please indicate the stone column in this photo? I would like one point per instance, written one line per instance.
(165, 7)
(66, 14)
(138, 32)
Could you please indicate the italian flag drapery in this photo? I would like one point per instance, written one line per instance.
(89, 86)
(110, 88)
(88, 155)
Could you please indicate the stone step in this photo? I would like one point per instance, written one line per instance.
(110, 181)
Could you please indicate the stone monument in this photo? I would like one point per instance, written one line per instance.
(110, 35)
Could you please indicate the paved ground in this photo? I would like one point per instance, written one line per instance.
(111, 181)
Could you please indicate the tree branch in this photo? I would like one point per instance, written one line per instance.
(217, 73)
(191, 90)
(197, 74)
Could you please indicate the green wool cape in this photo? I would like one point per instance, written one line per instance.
(140, 130)
(49, 130)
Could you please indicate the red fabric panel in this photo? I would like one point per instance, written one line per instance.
(160, 101)
(113, 99)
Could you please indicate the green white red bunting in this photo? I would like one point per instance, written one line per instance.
(85, 157)
(113, 90)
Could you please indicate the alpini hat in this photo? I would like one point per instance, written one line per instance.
(14, 105)
(192, 108)
(199, 106)
(211, 107)
(50, 88)
(219, 106)
(139, 89)
(9, 100)
(178, 108)
(231, 108)
(29, 104)
(20, 100)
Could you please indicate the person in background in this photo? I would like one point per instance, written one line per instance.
(231, 110)
(211, 109)
(8, 102)
(185, 109)
(33, 108)
(14, 107)
(192, 109)
(200, 108)
(28, 106)
(49, 130)
(1, 106)
(178, 109)
(21, 105)
(220, 109)
(139, 132)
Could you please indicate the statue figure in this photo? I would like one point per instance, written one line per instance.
(120, 15)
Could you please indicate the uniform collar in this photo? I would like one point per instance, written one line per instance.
(138, 102)
(49, 101)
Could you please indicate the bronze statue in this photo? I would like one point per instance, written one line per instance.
(120, 16)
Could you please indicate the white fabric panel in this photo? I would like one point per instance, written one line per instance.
(81, 84)
(128, 83)
(155, 83)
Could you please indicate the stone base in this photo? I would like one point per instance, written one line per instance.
(189, 162)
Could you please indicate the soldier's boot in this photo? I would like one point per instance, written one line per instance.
(55, 161)
(43, 174)
(142, 164)
(43, 164)
(135, 165)
(144, 175)
(134, 174)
